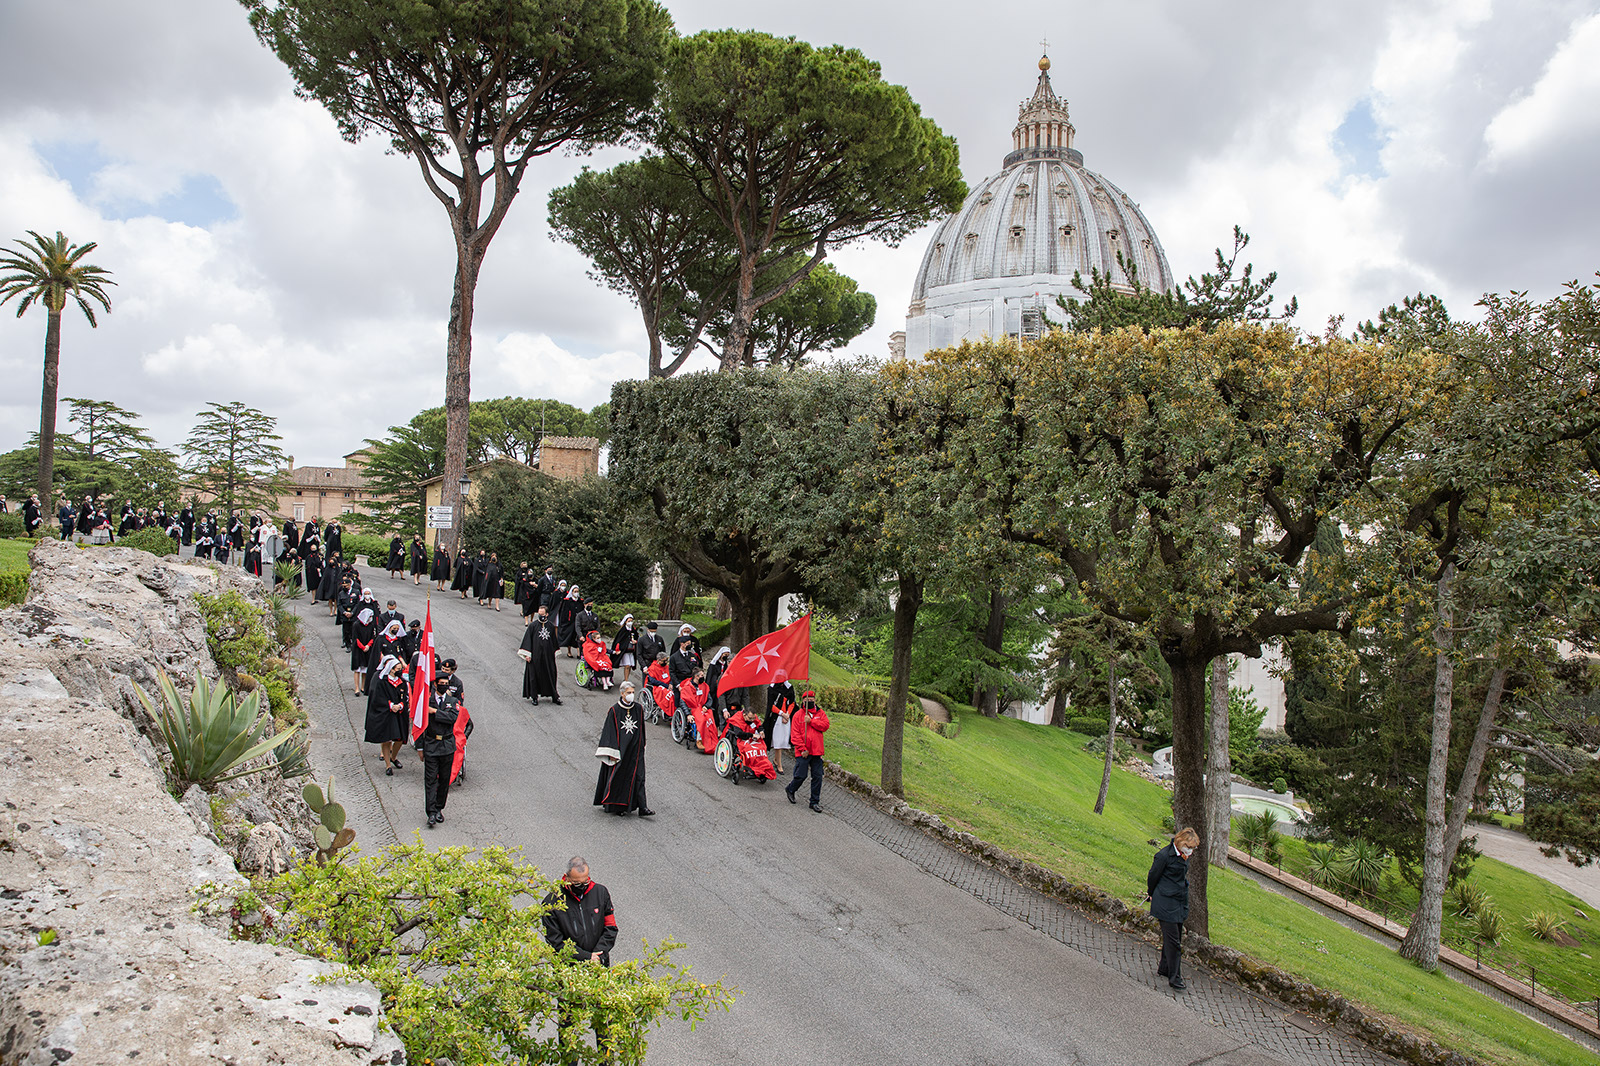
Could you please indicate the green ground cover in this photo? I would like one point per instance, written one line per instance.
(14, 568)
(1030, 789)
(1569, 969)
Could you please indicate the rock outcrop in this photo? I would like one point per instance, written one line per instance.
(105, 954)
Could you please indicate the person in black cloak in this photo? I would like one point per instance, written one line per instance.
(333, 538)
(291, 535)
(412, 642)
(345, 607)
(624, 646)
(363, 635)
(686, 658)
(186, 520)
(539, 653)
(480, 575)
(438, 742)
(396, 562)
(328, 587)
(567, 634)
(252, 558)
(441, 567)
(313, 565)
(522, 590)
(494, 582)
(387, 712)
(419, 559)
(620, 787)
(464, 574)
(546, 586)
(714, 672)
(223, 549)
(391, 635)
(391, 613)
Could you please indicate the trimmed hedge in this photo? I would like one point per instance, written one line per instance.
(150, 540)
(1089, 727)
(376, 549)
(863, 701)
(12, 525)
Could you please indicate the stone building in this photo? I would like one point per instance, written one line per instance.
(996, 266)
(326, 491)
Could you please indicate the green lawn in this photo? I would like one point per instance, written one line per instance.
(1030, 789)
(14, 569)
(1516, 894)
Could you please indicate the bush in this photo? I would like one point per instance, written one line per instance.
(11, 525)
(1089, 727)
(461, 963)
(1097, 746)
(1324, 868)
(1298, 767)
(1543, 924)
(863, 701)
(244, 640)
(1279, 785)
(1469, 898)
(1364, 865)
(376, 549)
(150, 540)
(1487, 925)
(611, 613)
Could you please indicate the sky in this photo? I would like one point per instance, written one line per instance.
(1372, 148)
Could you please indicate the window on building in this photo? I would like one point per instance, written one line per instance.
(299, 511)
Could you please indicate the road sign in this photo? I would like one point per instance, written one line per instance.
(441, 512)
(441, 517)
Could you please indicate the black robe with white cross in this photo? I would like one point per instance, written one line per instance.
(620, 787)
(539, 675)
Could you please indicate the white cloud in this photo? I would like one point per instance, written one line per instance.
(1564, 105)
(531, 364)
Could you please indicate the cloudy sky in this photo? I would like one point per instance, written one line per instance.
(1371, 147)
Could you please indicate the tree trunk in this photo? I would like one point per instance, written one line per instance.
(458, 388)
(47, 406)
(1421, 943)
(1188, 771)
(906, 606)
(724, 608)
(1219, 768)
(1111, 723)
(1058, 709)
(987, 697)
(674, 590)
(743, 317)
(1467, 788)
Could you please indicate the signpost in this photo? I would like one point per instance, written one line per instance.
(441, 517)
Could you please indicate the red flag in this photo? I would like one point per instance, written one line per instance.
(422, 678)
(778, 656)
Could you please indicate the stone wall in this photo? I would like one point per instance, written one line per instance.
(103, 953)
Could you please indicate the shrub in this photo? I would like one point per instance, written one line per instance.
(12, 525)
(13, 586)
(1323, 866)
(1469, 898)
(212, 734)
(1487, 925)
(1279, 785)
(376, 549)
(1299, 767)
(150, 540)
(1364, 865)
(244, 640)
(863, 701)
(460, 960)
(1543, 924)
(1089, 727)
(1260, 831)
(1097, 746)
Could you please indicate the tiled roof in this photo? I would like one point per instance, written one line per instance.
(324, 477)
(582, 444)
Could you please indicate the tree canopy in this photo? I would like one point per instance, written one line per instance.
(232, 454)
(795, 150)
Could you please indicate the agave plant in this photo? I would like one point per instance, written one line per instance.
(1543, 924)
(1487, 924)
(293, 758)
(1247, 834)
(1364, 865)
(1469, 898)
(1324, 866)
(1266, 831)
(212, 733)
(286, 576)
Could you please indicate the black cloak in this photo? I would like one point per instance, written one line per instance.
(539, 675)
(397, 555)
(383, 723)
(464, 574)
(441, 565)
(620, 787)
(419, 559)
(567, 621)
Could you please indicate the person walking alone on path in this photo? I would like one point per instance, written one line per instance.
(806, 727)
(438, 749)
(1168, 888)
(580, 913)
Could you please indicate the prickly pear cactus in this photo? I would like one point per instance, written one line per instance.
(332, 834)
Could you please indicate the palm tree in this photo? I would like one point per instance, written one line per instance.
(48, 271)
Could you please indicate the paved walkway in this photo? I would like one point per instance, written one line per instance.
(1514, 849)
(874, 941)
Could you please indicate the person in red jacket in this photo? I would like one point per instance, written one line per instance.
(696, 696)
(807, 725)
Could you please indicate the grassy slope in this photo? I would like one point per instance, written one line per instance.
(14, 554)
(1030, 789)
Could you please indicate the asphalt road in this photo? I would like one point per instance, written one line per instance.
(843, 952)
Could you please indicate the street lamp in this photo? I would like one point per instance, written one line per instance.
(465, 485)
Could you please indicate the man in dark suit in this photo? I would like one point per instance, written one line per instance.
(1168, 888)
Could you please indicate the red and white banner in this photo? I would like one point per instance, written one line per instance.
(779, 656)
(422, 678)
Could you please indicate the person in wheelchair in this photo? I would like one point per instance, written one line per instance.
(597, 659)
(658, 682)
(748, 747)
(695, 695)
